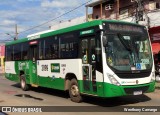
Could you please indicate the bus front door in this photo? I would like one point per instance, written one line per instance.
(33, 67)
(88, 65)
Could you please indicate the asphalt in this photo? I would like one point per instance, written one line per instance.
(158, 85)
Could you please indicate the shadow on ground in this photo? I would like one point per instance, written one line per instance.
(104, 102)
(117, 101)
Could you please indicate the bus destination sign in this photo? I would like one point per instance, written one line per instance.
(125, 28)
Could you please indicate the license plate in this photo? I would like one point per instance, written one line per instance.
(137, 92)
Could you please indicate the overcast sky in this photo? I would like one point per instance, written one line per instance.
(30, 13)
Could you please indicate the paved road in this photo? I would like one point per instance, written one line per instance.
(12, 95)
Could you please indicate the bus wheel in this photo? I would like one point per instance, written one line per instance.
(74, 91)
(24, 85)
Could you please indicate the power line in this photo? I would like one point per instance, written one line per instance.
(56, 17)
(6, 39)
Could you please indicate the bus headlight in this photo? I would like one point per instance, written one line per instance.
(113, 80)
(153, 78)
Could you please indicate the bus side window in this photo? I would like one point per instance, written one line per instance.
(55, 51)
(41, 49)
(24, 51)
(33, 52)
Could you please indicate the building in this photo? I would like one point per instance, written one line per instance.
(2, 54)
(146, 12)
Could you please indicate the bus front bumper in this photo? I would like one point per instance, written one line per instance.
(111, 90)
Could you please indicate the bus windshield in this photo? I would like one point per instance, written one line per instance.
(128, 52)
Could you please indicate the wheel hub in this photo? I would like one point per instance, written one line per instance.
(74, 90)
(22, 83)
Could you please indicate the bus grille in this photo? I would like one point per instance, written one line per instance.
(133, 75)
(131, 90)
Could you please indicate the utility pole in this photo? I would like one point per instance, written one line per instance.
(117, 14)
(140, 12)
(16, 32)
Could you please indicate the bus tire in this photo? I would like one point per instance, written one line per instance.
(24, 85)
(74, 91)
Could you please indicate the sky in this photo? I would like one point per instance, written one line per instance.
(30, 13)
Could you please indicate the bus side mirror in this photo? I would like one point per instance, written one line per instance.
(105, 41)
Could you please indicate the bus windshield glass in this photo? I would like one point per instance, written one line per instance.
(128, 51)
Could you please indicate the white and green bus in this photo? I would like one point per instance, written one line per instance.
(100, 58)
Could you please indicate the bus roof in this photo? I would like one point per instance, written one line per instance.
(65, 30)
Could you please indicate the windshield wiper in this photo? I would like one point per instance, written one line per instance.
(121, 38)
